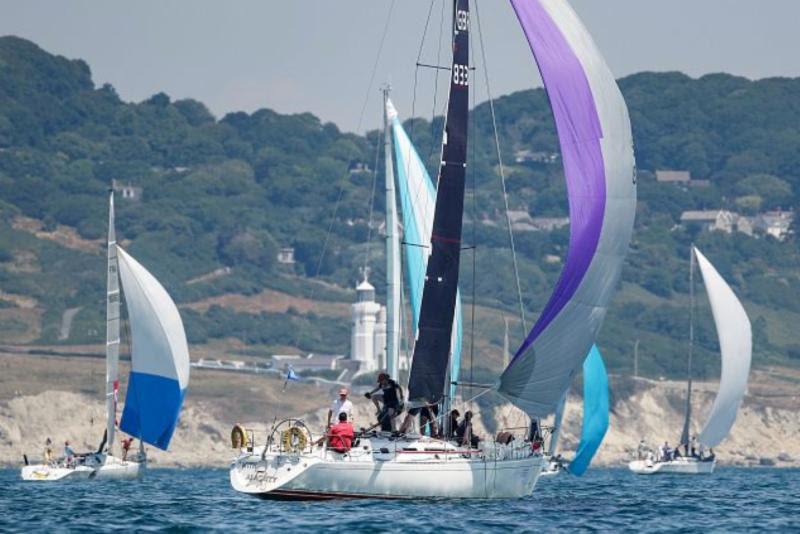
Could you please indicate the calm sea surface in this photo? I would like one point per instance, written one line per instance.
(731, 500)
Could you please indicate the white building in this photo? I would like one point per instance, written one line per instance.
(368, 338)
(710, 220)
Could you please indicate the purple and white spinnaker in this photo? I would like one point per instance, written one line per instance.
(597, 151)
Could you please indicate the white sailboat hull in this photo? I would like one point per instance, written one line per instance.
(679, 466)
(100, 468)
(399, 474)
(552, 467)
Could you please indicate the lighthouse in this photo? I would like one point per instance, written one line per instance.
(368, 339)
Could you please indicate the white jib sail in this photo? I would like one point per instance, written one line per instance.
(736, 347)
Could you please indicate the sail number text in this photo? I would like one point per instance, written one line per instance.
(460, 74)
(462, 20)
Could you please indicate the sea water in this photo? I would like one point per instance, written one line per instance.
(730, 500)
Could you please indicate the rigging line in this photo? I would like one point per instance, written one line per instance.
(416, 69)
(352, 153)
(375, 65)
(426, 230)
(378, 143)
(473, 124)
(436, 82)
(502, 173)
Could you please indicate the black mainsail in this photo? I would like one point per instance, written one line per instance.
(428, 378)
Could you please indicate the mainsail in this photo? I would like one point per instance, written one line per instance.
(595, 411)
(429, 366)
(418, 201)
(159, 356)
(112, 328)
(597, 153)
(735, 344)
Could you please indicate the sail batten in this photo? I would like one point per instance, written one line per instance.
(736, 347)
(159, 356)
(597, 154)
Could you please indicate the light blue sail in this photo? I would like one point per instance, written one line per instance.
(595, 411)
(418, 202)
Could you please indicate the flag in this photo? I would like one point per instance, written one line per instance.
(290, 375)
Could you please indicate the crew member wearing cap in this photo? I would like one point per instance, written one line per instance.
(340, 405)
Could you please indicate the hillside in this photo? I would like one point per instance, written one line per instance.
(219, 197)
(64, 402)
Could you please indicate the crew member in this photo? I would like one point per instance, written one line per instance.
(428, 414)
(391, 394)
(341, 435)
(69, 454)
(341, 404)
(48, 451)
(126, 446)
(465, 434)
(453, 426)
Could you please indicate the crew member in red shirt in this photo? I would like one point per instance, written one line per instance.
(341, 435)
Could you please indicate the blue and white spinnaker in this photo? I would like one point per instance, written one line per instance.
(159, 355)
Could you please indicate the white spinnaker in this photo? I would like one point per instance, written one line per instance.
(158, 344)
(736, 347)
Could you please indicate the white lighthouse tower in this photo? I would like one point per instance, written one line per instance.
(368, 341)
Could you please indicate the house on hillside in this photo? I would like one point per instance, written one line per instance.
(710, 220)
(775, 223)
(681, 178)
(521, 221)
(673, 177)
(127, 191)
(286, 256)
(359, 167)
(522, 157)
(548, 224)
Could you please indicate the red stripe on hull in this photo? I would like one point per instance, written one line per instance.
(299, 495)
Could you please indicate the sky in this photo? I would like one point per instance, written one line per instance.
(319, 55)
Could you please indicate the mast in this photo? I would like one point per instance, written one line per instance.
(685, 433)
(392, 253)
(429, 368)
(112, 327)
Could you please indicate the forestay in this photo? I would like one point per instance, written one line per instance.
(735, 343)
(418, 201)
(159, 353)
(597, 153)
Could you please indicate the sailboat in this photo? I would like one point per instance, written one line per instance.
(736, 347)
(595, 420)
(157, 382)
(595, 137)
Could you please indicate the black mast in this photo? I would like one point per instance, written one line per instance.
(428, 378)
